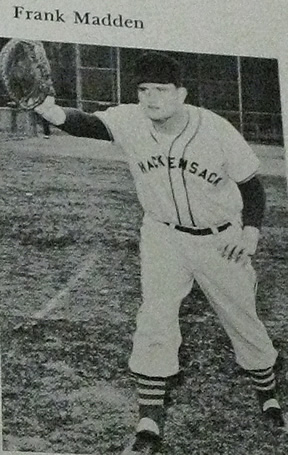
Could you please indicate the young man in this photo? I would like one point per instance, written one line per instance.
(203, 205)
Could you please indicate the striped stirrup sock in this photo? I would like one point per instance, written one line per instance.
(151, 391)
(264, 383)
(151, 395)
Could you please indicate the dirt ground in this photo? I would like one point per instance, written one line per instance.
(70, 289)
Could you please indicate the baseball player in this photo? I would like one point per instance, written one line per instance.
(203, 205)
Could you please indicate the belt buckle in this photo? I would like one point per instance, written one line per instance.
(214, 230)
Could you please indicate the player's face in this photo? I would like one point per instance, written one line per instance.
(160, 101)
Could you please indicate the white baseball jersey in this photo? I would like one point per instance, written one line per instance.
(189, 179)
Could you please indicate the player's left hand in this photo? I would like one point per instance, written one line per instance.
(242, 251)
(26, 72)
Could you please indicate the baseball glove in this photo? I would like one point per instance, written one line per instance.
(26, 73)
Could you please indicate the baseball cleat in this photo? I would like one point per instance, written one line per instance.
(145, 443)
(275, 416)
(273, 413)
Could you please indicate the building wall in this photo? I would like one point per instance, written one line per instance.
(245, 90)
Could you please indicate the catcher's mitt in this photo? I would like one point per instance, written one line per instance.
(26, 72)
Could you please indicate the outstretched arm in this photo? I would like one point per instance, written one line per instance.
(73, 121)
(78, 123)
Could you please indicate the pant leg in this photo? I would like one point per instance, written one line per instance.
(231, 288)
(165, 282)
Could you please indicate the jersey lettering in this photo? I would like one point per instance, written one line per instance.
(199, 168)
(171, 160)
(150, 165)
(154, 160)
(142, 167)
(171, 163)
(203, 174)
(182, 164)
(211, 177)
(217, 180)
(193, 167)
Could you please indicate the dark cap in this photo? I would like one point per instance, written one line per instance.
(153, 67)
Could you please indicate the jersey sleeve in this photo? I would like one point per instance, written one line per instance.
(241, 161)
(118, 122)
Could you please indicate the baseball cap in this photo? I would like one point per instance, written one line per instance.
(154, 67)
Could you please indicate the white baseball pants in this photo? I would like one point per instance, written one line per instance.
(170, 261)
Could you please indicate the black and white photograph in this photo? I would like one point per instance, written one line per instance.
(144, 237)
(143, 228)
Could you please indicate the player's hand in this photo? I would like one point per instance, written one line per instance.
(242, 251)
(47, 104)
(51, 112)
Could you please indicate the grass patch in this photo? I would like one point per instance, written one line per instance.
(66, 387)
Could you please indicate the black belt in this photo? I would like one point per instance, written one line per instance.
(206, 231)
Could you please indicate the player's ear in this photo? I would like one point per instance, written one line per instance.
(182, 94)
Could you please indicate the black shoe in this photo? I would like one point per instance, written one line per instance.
(272, 412)
(275, 416)
(145, 443)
